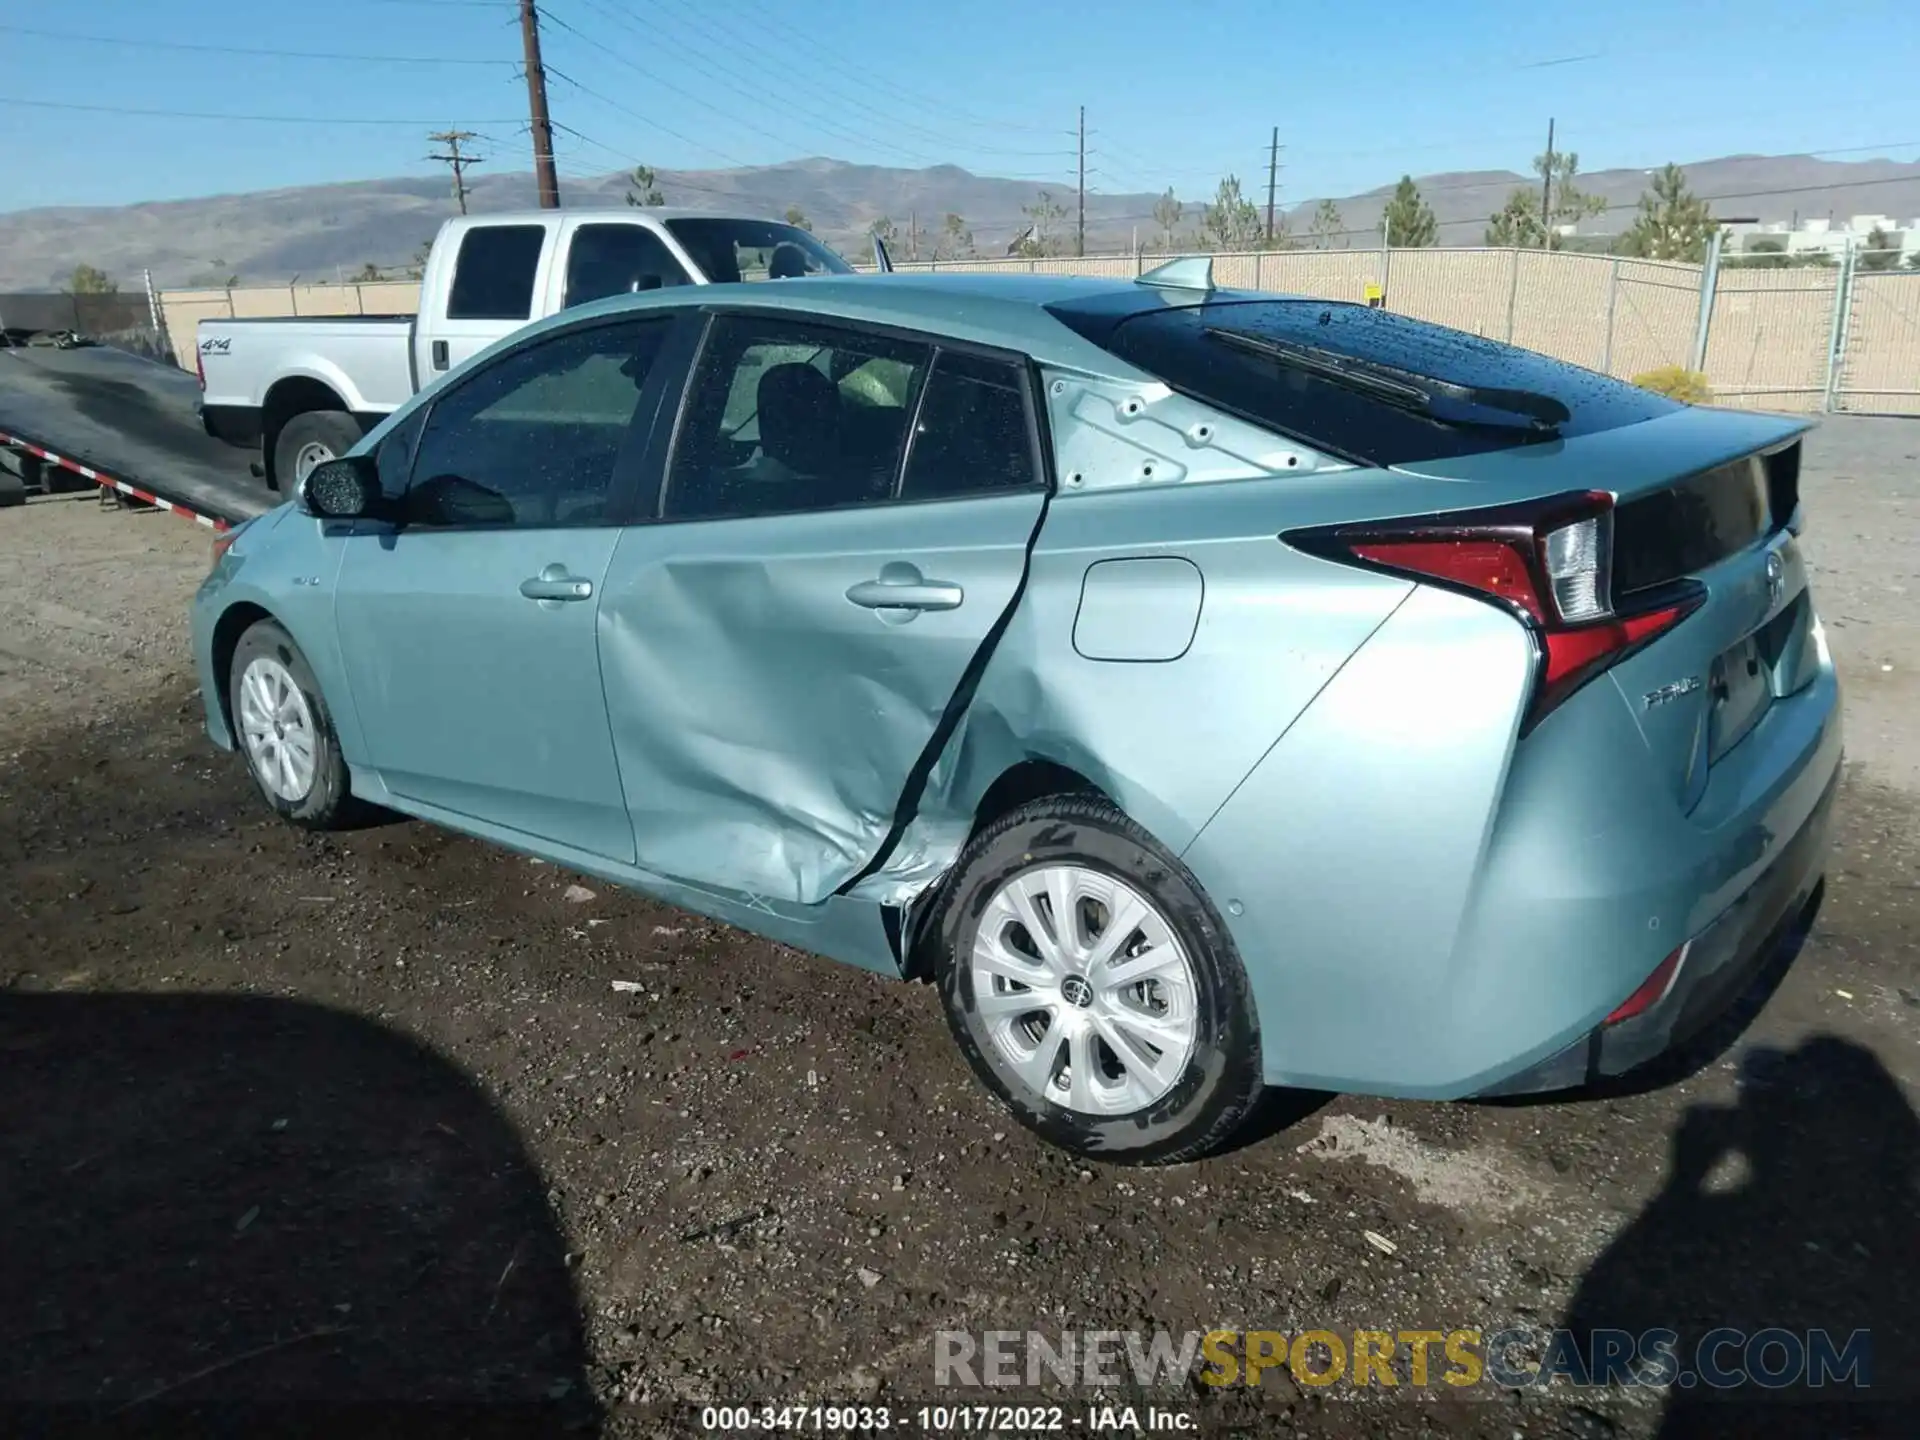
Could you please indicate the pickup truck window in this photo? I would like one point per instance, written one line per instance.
(733, 250)
(493, 275)
(617, 260)
(529, 441)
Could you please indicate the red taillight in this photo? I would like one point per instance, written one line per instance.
(200, 368)
(1652, 990)
(1549, 561)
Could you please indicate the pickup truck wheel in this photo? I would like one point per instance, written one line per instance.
(312, 439)
(285, 732)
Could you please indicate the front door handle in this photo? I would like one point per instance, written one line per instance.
(901, 587)
(555, 584)
(439, 349)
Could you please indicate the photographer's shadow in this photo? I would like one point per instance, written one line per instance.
(1795, 1209)
(230, 1215)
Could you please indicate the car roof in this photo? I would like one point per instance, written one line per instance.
(1008, 311)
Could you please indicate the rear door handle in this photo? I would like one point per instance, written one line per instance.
(895, 591)
(555, 584)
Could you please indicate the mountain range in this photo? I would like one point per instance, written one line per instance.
(322, 232)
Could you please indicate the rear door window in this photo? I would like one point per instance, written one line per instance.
(973, 436)
(493, 274)
(786, 416)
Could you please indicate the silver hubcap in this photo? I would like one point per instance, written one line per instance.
(278, 728)
(1084, 989)
(309, 455)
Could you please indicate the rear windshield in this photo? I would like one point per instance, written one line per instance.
(1173, 344)
(733, 250)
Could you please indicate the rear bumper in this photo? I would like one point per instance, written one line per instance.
(1741, 951)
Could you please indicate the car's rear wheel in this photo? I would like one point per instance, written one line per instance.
(309, 440)
(285, 732)
(1093, 988)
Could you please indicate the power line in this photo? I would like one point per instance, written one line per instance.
(832, 61)
(759, 92)
(624, 109)
(414, 124)
(247, 49)
(783, 66)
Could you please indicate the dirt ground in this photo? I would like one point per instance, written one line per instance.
(355, 1135)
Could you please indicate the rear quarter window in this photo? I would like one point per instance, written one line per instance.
(1172, 344)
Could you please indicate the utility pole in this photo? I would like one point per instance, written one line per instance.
(1546, 194)
(913, 234)
(1080, 242)
(453, 139)
(1273, 177)
(542, 125)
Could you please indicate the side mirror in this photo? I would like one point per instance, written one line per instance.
(347, 489)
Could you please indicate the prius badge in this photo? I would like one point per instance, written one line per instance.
(1671, 692)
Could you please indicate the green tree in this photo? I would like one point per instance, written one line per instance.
(643, 188)
(1673, 223)
(369, 272)
(1518, 221)
(955, 241)
(89, 281)
(1761, 255)
(797, 218)
(1167, 211)
(1326, 225)
(1408, 219)
(886, 232)
(1042, 236)
(1880, 252)
(1231, 222)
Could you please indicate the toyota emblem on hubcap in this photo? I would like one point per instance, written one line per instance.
(1076, 991)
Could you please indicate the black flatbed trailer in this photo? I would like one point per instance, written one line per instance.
(125, 423)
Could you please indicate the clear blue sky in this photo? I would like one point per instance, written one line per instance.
(1175, 95)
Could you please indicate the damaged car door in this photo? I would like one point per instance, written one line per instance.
(844, 522)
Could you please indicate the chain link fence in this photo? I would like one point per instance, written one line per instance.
(125, 321)
(1806, 338)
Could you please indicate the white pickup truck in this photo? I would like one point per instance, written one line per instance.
(305, 389)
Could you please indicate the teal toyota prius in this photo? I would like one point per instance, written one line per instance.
(1207, 690)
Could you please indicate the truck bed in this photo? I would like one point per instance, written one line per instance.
(364, 360)
(133, 419)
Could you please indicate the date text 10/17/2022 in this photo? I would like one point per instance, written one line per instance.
(946, 1419)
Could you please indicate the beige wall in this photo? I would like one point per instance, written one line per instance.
(1767, 347)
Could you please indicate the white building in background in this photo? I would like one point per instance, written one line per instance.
(1831, 237)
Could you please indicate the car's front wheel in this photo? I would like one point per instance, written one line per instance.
(1093, 988)
(285, 732)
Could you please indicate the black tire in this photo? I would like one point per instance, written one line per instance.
(328, 802)
(338, 431)
(1222, 1079)
(13, 490)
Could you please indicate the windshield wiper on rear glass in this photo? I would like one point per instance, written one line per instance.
(1402, 388)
